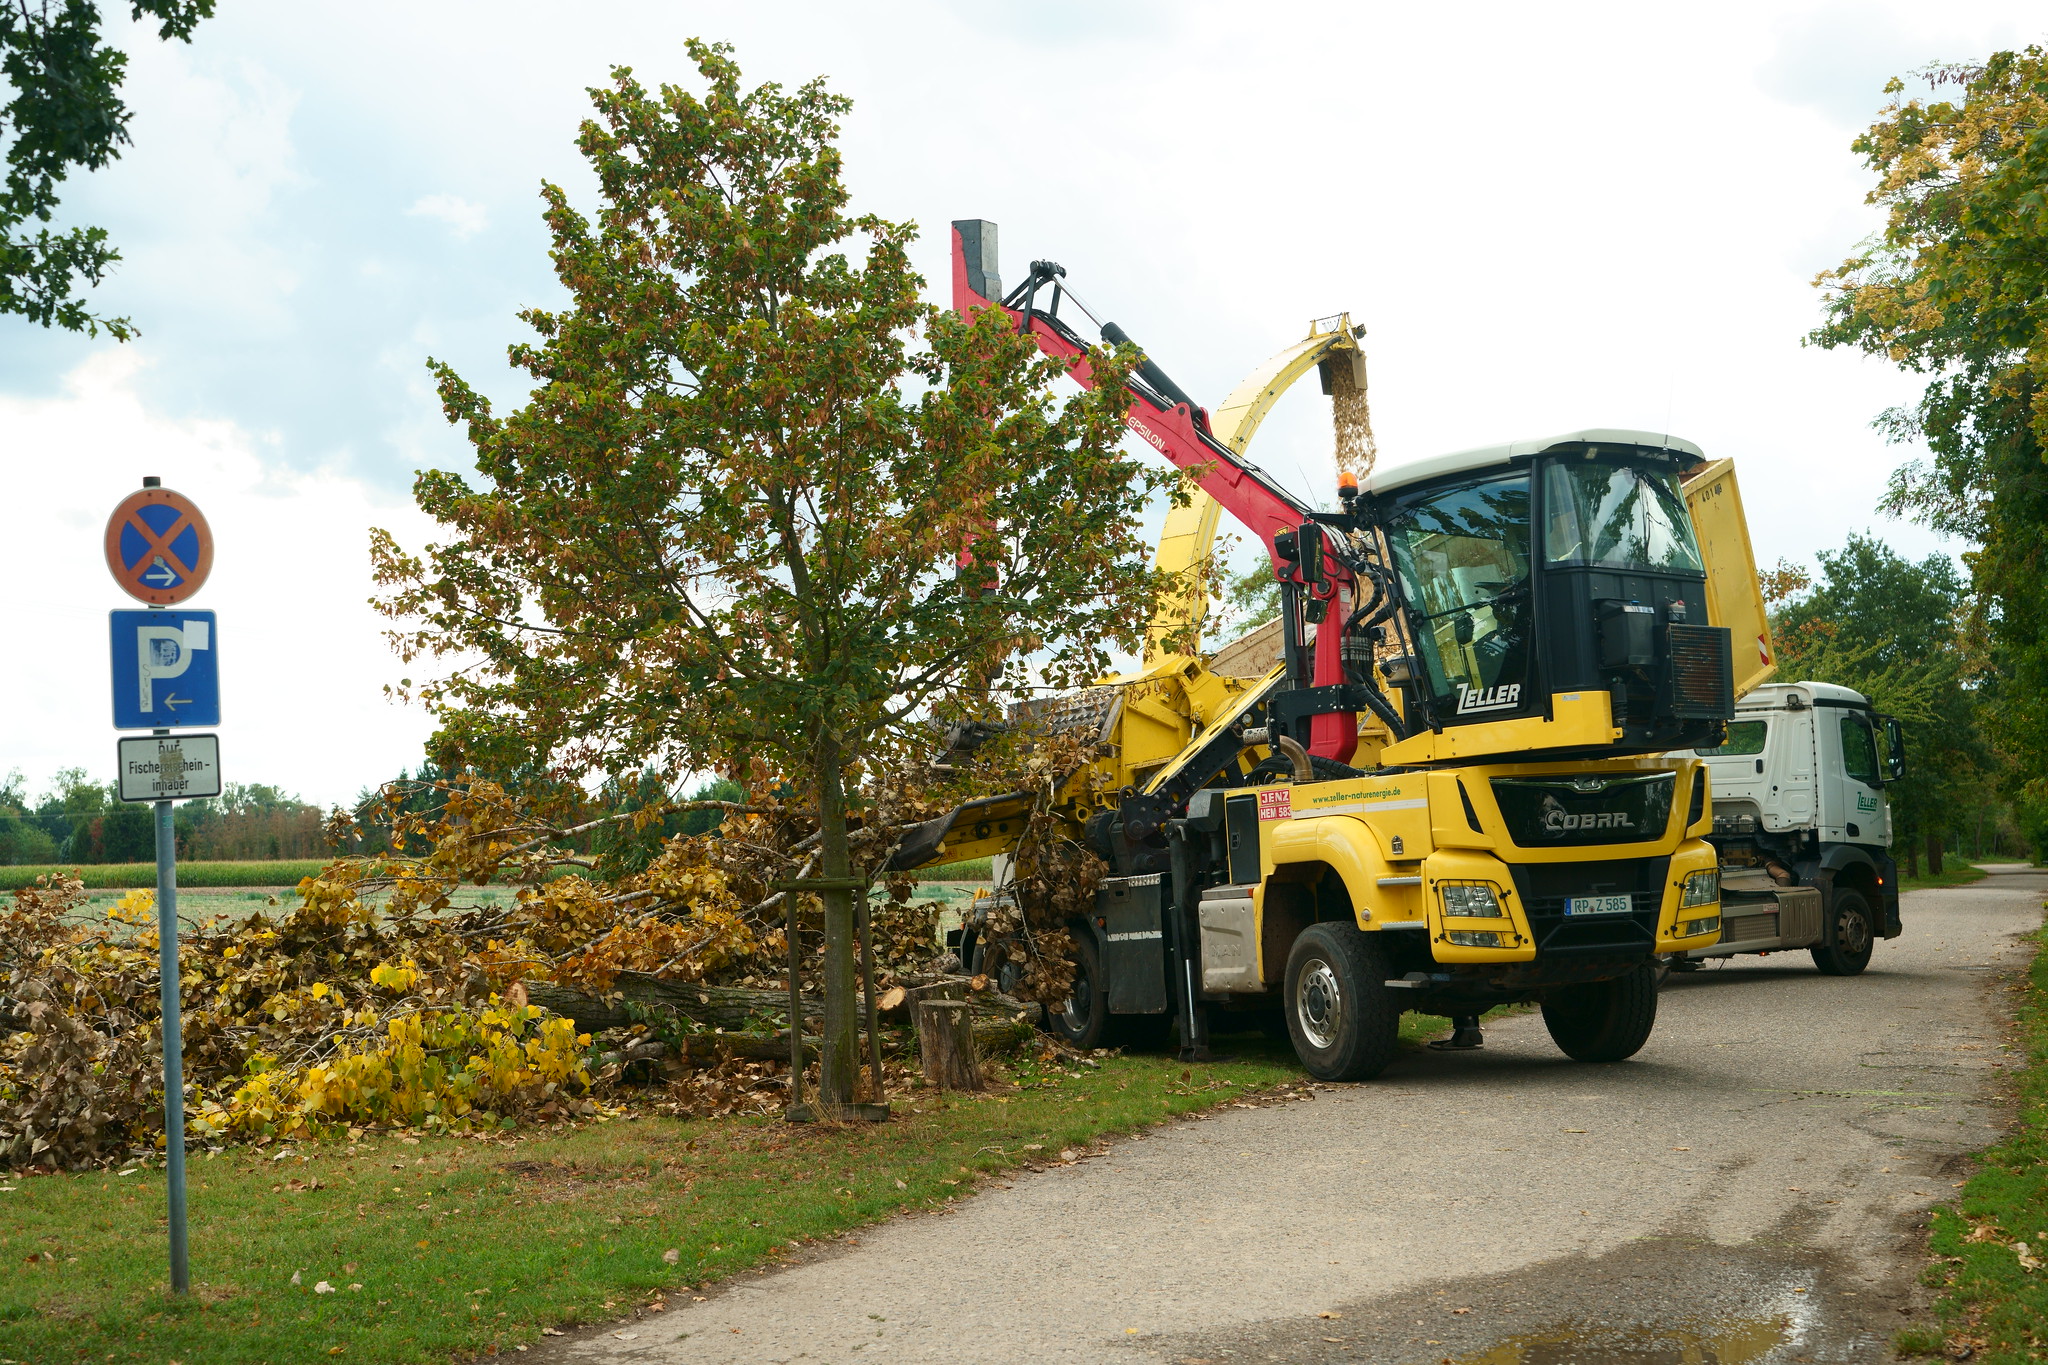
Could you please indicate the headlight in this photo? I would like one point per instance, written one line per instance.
(1702, 888)
(1470, 900)
(1693, 928)
(1476, 938)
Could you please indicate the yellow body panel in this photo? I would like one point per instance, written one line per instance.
(1734, 598)
(1368, 830)
(1576, 720)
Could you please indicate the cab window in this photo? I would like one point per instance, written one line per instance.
(1744, 737)
(1859, 749)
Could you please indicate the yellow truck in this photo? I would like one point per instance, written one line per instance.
(1456, 788)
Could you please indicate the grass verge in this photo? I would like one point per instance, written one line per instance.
(1990, 1249)
(1955, 874)
(974, 870)
(437, 1245)
(130, 876)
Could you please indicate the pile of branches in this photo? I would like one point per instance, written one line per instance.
(374, 999)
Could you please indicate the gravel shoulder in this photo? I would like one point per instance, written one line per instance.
(1749, 1184)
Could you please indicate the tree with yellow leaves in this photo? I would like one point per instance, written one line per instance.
(766, 511)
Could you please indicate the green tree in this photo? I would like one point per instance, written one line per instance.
(1952, 289)
(1890, 628)
(66, 113)
(746, 522)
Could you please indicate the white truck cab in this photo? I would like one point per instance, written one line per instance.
(1802, 825)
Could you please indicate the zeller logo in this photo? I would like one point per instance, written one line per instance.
(1488, 698)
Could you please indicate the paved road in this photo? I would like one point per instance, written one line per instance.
(1744, 1190)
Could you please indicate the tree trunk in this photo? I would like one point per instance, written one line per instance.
(1934, 855)
(838, 1072)
(945, 1036)
(1912, 858)
(735, 1009)
(725, 1007)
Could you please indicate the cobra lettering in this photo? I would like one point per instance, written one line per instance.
(1498, 698)
(1558, 821)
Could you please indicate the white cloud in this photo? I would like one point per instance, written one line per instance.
(303, 662)
(463, 218)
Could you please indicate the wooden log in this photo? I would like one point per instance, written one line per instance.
(728, 1007)
(742, 1013)
(945, 1036)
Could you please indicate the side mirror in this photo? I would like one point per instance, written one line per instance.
(1894, 748)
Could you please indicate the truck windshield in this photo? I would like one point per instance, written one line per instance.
(1463, 557)
(1616, 516)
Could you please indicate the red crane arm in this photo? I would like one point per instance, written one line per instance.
(1179, 431)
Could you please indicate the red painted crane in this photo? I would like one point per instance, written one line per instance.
(1177, 427)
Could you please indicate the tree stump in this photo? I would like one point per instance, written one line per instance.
(945, 1036)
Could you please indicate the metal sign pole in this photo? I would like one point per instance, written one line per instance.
(174, 1042)
(165, 673)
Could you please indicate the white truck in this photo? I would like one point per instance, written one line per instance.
(1802, 827)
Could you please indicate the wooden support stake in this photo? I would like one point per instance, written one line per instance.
(867, 987)
(796, 1010)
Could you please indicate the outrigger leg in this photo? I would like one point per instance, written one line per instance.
(1465, 1035)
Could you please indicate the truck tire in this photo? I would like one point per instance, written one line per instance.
(1341, 1017)
(1847, 935)
(1084, 1020)
(1603, 1021)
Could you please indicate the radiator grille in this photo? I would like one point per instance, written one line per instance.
(1702, 673)
(1544, 887)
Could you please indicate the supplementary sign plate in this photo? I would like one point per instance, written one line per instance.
(169, 767)
(166, 669)
(159, 547)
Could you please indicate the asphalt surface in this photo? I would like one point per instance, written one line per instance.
(1747, 1188)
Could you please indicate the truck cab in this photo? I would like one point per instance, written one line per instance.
(1802, 825)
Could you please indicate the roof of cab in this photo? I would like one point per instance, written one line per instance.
(1387, 478)
(1774, 694)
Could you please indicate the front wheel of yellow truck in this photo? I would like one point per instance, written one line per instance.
(1341, 1017)
(1603, 1021)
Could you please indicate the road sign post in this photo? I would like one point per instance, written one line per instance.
(174, 1041)
(166, 673)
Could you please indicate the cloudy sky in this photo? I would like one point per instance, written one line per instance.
(1549, 217)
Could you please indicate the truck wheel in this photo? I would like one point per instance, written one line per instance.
(1084, 1019)
(1603, 1021)
(1847, 937)
(1341, 1017)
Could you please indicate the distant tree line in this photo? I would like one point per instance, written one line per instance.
(79, 820)
(617, 849)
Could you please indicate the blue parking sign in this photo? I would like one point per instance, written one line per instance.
(166, 669)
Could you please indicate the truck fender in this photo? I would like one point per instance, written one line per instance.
(1850, 863)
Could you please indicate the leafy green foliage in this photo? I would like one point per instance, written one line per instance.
(1951, 289)
(1891, 629)
(743, 523)
(66, 113)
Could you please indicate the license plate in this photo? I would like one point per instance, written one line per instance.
(1596, 905)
